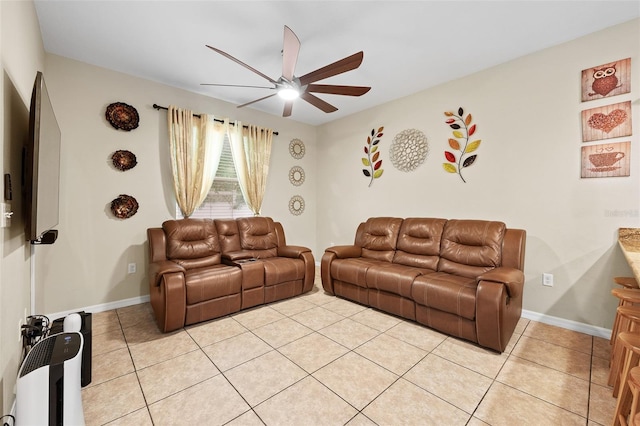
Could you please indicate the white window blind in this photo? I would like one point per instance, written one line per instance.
(225, 198)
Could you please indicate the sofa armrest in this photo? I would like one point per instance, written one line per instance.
(169, 301)
(292, 251)
(343, 252)
(231, 257)
(158, 269)
(512, 278)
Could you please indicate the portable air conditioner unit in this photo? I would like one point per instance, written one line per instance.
(48, 385)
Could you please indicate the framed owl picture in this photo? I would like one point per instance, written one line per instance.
(602, 81)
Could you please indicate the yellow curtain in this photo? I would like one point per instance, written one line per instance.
(251, 151)
(196, 146)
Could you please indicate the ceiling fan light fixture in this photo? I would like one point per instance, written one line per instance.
(288, 93)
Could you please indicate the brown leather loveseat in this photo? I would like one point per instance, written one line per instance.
(462, 277)
(200, 269)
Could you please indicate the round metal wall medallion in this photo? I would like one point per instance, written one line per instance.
(296, 148)
(296, 205)
(296, 176)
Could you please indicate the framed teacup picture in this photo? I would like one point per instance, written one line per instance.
(606, 160)
(609, 121)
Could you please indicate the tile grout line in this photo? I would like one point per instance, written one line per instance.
(511, 356)
(135, 371)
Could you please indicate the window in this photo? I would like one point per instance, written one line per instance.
(225, 198)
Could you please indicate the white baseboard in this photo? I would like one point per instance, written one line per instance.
(535, 316)
(568, 324)
(102, 307)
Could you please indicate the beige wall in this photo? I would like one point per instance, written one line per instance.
(22, 55)
(88, 264)
(527, 173)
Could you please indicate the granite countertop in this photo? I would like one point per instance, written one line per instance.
(629, 240)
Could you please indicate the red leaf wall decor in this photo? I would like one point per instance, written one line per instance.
(462, 131)
(372, 161)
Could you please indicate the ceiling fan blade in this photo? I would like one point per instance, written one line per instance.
(290, 50)
(288, 106)
(317, 102)
(237, 85)
(343, 65)
(237, 61)
(257, 100)
(338, 90)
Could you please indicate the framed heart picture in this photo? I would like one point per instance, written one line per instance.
(609, 121)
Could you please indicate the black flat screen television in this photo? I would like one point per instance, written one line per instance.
(41, 168)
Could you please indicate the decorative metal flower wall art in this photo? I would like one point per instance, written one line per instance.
(408, 150)
(372, 161)
(462, 132)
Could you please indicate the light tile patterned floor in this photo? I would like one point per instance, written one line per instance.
(319, 360)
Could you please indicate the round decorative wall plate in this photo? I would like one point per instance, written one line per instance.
(296, 205)
(122, 116)
(124, 206)
(124, 160)
(296, 148)
(296, 176)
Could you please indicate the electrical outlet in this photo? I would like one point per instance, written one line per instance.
(547, 279)
(131, 268)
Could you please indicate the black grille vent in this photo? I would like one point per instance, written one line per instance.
(39, 356)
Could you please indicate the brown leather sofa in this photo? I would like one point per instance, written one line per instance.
(200, 269)
(462, 277)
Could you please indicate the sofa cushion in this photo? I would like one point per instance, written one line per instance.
(379, 237)
(192, 243)
(393, 278)
(419, 242)
(278, 270)
(212, 282)
(471, 247)
(353, 270)
(228, 235)
(258, 235)
(454, 294)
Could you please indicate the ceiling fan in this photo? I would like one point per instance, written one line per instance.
(289, 87)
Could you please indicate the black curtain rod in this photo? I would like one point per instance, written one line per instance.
(159, 107)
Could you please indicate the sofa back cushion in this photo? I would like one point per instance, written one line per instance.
(192, 243)
(258, 235)
(419, 242)
(378, 237)
(228, 235)
(471, 247)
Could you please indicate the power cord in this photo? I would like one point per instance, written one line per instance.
(36, 328)
(5, 422)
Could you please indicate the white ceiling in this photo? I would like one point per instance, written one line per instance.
(408, 46)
